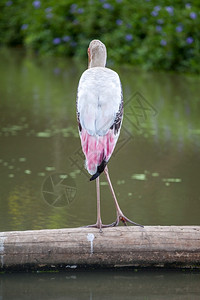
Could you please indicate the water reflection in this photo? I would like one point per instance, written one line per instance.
(154, 169)
(101, 285)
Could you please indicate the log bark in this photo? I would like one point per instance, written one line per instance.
(151, 246)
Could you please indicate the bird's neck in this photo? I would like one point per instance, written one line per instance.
(97, 61)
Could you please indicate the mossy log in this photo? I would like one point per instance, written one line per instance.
(151, 246)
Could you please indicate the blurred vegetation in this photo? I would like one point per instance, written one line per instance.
(153, 34)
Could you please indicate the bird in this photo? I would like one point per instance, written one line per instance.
(99, 108)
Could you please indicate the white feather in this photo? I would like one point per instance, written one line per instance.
(98, 99)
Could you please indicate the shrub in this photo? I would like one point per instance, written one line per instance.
(154, 34)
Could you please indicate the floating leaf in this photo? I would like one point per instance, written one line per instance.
(27, 172)
(139, 176)
(155, 174)
(50, 168)
(172, 179)
(22, 159)
(44, 134)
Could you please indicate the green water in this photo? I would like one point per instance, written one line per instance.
(112, 285)
(43, 183)
(155, 166)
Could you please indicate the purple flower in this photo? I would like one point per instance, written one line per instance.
(80, 10)
(154, 13)
(144, 20)
(119, 22)
(73, 8)
(169, 9)
(36, 4)
(49, 16)
(129, 37)
(188, 5)
(9, 3)
(56, 71)
(76, 22)
(157, 8)
(107, 6)
(73, 44)
(193, 15)
(48, 9)
(24, 26)
(66, 38)
(158, 28)
(163, 42)
(189, 40)
(128, 25)
(179, 28)
(56, 41)
(160, 21)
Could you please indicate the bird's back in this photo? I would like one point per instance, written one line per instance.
(99, 103)
(99, 97)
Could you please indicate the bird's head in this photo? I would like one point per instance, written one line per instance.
(96, 54)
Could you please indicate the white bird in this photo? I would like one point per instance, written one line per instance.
(99, 114)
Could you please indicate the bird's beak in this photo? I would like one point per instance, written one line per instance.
(89, 58)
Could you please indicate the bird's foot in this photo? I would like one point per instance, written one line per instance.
(100, 226)
(121, 217)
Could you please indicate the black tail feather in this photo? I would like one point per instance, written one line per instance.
(100, 169)
(95, 176)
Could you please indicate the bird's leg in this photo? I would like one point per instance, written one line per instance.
(99, 222)
(120, 215)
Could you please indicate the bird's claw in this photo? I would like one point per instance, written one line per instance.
(124, 220)
(100, 226)
(120, 217)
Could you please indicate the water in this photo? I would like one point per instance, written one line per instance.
(154, 169)
(101, 285)
(43, 184)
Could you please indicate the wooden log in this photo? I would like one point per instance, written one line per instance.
(151, 246)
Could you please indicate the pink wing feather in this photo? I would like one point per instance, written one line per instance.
(97, 149)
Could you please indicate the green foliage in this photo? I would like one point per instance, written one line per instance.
(154, 34)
